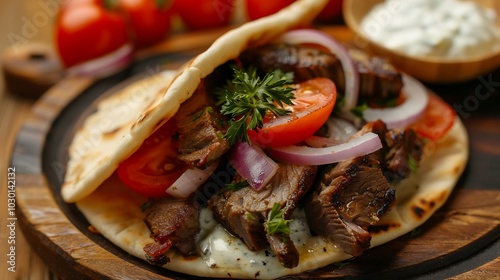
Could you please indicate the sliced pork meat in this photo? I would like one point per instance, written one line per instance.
(378, 78)
(351, 196)
(173, 223)
(244, 212)
(201, 129)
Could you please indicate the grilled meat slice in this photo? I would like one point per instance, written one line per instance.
(172, 222)
(350, 197)
(287, 187)
(401, 149)
(404, 151)
(244, 212)
(378, 78)
(228, 210)
(201, 129)
(324, 219)
(304, 62)
(284, 248)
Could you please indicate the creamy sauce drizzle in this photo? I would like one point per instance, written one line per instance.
(443, 28)
(220, 249)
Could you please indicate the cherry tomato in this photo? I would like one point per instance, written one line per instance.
(149, 20)
(202, 14)
(86, 30)
(259, 8)
(331, 12)
(437, 120)
(154, 167)
(313, 104)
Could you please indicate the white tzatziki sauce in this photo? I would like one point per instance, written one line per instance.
(218, 248)
(444, 28)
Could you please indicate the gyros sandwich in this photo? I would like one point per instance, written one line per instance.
(276, 151)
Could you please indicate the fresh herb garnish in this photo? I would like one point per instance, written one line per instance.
(248, 98)
(236, 186)
(342, 264)
(416, 232)
(249, 216)
(276, 223)
(412, 163)
(145, 205)
(359, 110)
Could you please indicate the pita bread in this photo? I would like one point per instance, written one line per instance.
(102, 144)
(123, 121)
(115, 212)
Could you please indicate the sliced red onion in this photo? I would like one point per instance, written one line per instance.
(339, 131)
(312, 36)
(406, 113)
(252, 164)
(365, 144)
(105, 65)
(191, 180)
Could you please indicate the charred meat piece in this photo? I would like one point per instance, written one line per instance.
(404, 151)
(228, 210)
(401, 150)
(286, 253)
(244, 212)
(304, 62)
(201, 129)
(350, 197)
(378, 78)
(172, 222)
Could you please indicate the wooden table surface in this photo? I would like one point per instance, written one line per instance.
(14, 110)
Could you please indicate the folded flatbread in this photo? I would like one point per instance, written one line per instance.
(123, 121)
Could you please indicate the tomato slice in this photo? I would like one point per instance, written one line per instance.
(313, 104)
(437, 120)
(154, 167)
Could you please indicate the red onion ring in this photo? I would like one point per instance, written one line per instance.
(365, 144)
(191, 180)
(105, 65)
(406, 113)
(252, 164)
(305, 36)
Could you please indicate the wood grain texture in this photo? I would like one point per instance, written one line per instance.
(487, 271)
(465, 224)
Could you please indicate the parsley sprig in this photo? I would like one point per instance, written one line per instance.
(276, 223)
(248, 98)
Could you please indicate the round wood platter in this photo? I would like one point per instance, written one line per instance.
(464, 227)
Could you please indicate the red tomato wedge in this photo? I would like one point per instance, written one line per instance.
(313, 104)
(154, 167)
(437, 119)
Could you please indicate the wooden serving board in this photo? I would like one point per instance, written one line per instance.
(468, 224)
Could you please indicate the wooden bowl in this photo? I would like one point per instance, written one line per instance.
(426, 68)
